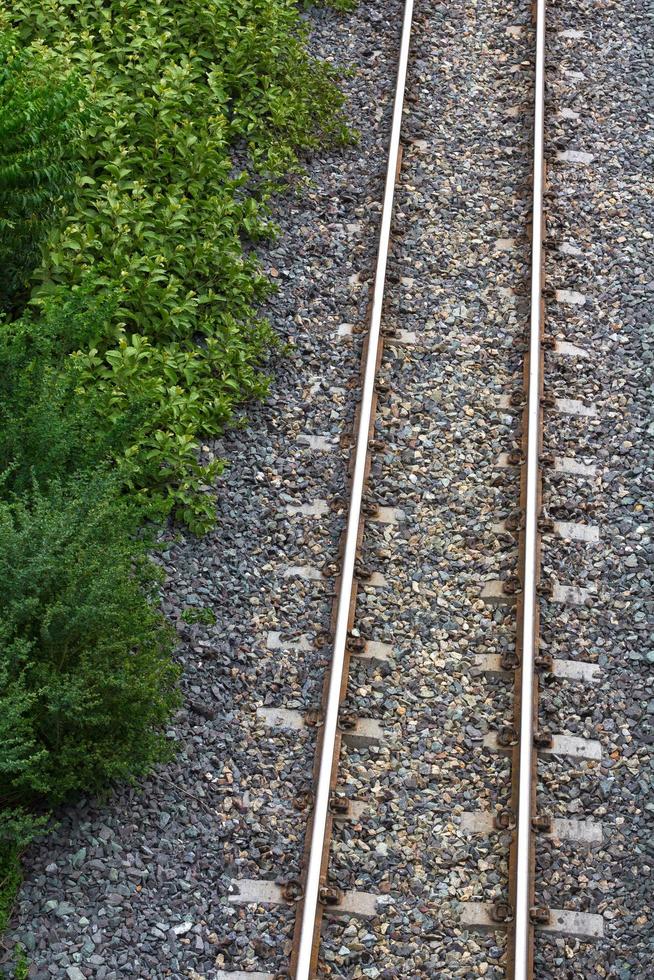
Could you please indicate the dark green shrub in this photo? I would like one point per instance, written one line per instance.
(86, 674)
(10, 879)
(47, 428)
(40, 123)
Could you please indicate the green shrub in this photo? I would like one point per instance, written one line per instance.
(86, 675)
(138, 406)
(200, 109)
(40, 122)
(10, 879)
(178, 394)
(47, 430)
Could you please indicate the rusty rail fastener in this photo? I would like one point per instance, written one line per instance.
(543, 739)
(511, 585)
(505, 820)
(339, 805)
(304, 799)
(501, 911)
(542, 823)
(292, 890)
(507, 736)
(330, 895)
(356, 644)
(539, 915)
(314, 717)
(544, 662)
(347, 720)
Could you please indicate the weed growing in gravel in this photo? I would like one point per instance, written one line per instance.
(344, 6)
(195, 614)
(21, 968)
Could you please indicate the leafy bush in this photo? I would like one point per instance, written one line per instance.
(10, 879)
(200, 108)
(47, 430)
(40, 122)
(86, 675)
(178, 393)
(74, 631)
(63, 410)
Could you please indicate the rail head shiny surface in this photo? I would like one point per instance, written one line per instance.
(523, 868)
(321, 808)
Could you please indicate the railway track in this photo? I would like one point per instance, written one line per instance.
(516, 912)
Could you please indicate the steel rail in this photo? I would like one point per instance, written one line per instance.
(323, 792)
(528, 627)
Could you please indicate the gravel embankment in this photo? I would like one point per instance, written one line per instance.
(136, 885)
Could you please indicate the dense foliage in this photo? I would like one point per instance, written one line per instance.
(140, 142)
(199, 110)
(60, 412)
(40, 122)
(47, 428)
(86, 673)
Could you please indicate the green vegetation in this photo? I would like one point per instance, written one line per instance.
(21, 968)
(40, 121)
(87, 674)
(202, 614)
(10, 879)
(198, 111)
(48, 427)
(140, 144)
